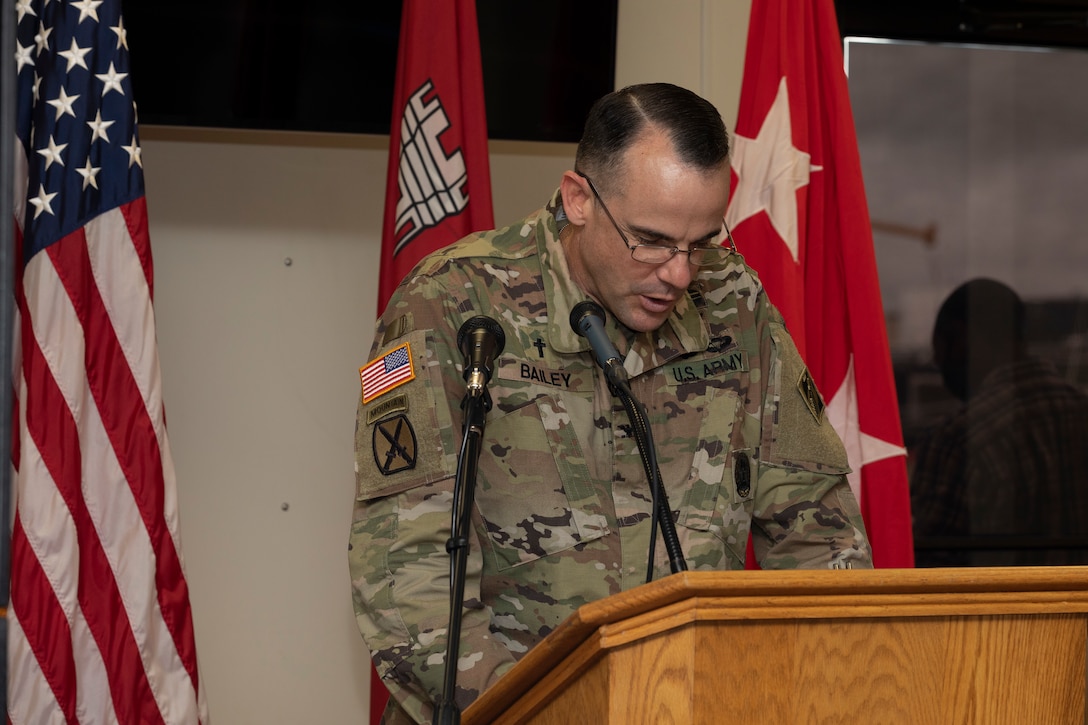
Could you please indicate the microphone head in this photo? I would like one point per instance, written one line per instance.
(479, 325)
(480, 341)
(587, 319)
(582, 312)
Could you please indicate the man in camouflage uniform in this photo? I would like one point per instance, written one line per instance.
(563, 506)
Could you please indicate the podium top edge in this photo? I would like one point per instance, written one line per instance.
(842, 582)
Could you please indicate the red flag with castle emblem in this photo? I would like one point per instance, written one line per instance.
(438, 187)
(799, 216)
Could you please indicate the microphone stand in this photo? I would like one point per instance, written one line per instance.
(587, 319)
(475, 405)
(636, 413)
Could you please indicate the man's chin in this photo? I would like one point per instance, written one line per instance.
(644, 321)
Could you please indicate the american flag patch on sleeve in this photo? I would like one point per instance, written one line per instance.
(387, 372)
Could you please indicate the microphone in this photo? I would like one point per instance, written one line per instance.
(480, 341)
(587, 319)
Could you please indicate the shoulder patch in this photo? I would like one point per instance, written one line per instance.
(391, 370)
(397, 404)
(394, 445)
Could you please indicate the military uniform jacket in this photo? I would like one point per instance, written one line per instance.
(562, 503)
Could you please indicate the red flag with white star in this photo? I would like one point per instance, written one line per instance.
(438, 187)
(799, 216)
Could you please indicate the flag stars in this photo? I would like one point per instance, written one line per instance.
(133, 151)
(89, 173)
(98, 127)
(41, 202)
(52, 153)
(23, 56)
(75, 55)
(87, 9)
(63, 104)
(122, 34)
(22, 8)
(41, 38)
(112, 79)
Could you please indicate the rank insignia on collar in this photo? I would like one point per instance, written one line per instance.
(394, 445)
(718, 344)
(811, 395)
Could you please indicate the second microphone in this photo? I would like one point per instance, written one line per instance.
(480, 341)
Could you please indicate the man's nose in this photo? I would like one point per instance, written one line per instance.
(677, 271)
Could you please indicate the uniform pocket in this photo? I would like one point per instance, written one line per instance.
(717, 495)
(534, 490)
(709, 459)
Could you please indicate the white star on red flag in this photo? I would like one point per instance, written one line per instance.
(861, 448)
(773, 169)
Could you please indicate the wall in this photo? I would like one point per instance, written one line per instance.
(266, 261)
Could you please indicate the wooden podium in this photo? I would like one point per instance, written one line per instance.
(918, 646)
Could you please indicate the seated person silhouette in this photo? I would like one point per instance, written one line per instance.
(1008, 471)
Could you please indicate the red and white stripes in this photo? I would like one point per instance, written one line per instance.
(100, 629)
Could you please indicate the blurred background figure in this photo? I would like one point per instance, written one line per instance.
(1003, 480)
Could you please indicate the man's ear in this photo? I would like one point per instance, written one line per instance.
(576, 196)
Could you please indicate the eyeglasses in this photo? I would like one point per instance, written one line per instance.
(659, 253)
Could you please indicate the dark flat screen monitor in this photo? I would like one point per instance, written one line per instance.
(330, 66)
(1032, 23)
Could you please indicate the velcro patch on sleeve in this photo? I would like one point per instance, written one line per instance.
(407, 437)
(801, 434)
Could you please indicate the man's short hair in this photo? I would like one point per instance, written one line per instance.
(618, 119)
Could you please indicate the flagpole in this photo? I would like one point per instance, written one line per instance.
(8, 81)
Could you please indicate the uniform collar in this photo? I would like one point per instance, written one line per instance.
(684, 332)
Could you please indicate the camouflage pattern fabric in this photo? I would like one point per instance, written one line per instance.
(562, 513)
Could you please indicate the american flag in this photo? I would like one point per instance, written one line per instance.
(387, 372)
(100, 629)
